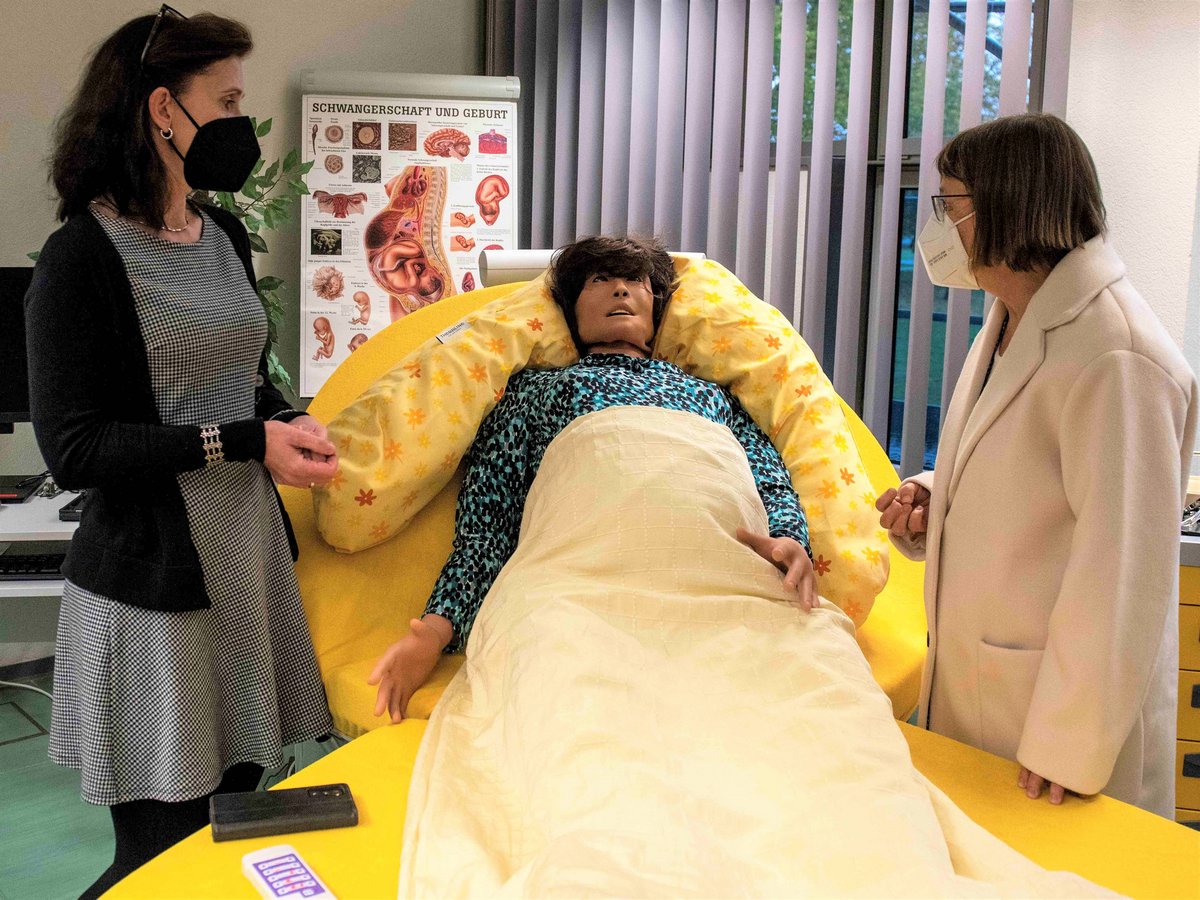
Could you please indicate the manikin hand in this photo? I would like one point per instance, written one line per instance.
(789, 557)
(408, 663)
(905, 511)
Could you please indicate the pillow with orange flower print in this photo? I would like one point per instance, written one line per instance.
(401, 440)
(716, 329)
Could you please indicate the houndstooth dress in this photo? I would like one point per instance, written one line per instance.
(156, 705)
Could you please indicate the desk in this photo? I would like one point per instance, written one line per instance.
(34, 520)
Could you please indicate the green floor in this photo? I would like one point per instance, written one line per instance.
(53, 844)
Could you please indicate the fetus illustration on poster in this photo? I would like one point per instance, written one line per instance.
(404, 196)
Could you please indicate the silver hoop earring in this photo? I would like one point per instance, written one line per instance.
(168, 134)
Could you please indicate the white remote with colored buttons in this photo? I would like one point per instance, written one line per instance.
(280, 872)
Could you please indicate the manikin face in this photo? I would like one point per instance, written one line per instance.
(616, 315)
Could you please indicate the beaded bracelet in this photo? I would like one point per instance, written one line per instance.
(214, 453)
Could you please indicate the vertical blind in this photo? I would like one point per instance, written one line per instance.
(920, 323)
(882, 298)
(686, 119)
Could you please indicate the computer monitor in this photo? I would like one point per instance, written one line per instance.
(14, 371)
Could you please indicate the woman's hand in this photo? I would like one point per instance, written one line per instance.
(314, 427)
(1034, 783)
(408, 663)
(905, 512)
(788, 556)
(309, 424)
(298, 457)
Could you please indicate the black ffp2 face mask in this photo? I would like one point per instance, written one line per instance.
(222, 155)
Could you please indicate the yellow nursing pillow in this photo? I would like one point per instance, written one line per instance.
(716, 329)
(402, 439)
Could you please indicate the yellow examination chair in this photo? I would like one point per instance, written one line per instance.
(358, 604)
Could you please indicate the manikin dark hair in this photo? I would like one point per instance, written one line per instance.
(629, 258)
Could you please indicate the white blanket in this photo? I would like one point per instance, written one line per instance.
(643, 713)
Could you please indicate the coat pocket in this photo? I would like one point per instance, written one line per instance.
(1007, 676)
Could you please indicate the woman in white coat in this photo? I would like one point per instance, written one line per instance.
(1050, 524)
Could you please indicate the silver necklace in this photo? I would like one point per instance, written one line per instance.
(186, 225)
(187, 222)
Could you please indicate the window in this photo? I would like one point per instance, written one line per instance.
(907, 257)
(824, 230)
(989, 108)
(918, 40)
(842, 90)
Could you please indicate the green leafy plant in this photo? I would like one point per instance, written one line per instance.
(265, 203)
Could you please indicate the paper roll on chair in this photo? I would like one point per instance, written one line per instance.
(508, 266)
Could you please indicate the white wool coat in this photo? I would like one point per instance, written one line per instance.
(1052, 549)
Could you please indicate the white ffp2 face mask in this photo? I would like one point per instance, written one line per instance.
(944, 255)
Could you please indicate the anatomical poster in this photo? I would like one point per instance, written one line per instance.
(404, 196)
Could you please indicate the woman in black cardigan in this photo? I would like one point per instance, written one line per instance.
(183, 660)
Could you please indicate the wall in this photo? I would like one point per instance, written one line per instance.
(1134, 98)
(40, 69)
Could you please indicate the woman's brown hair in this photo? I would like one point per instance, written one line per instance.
(1033, 186)
(104, 143)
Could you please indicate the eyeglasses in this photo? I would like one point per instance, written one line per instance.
(939, 204)
(163, 12)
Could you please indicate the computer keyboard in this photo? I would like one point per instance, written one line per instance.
(31, 566)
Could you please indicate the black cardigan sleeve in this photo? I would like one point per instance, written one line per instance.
(83, 427)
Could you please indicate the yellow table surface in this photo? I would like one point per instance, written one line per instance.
(1116, 845)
